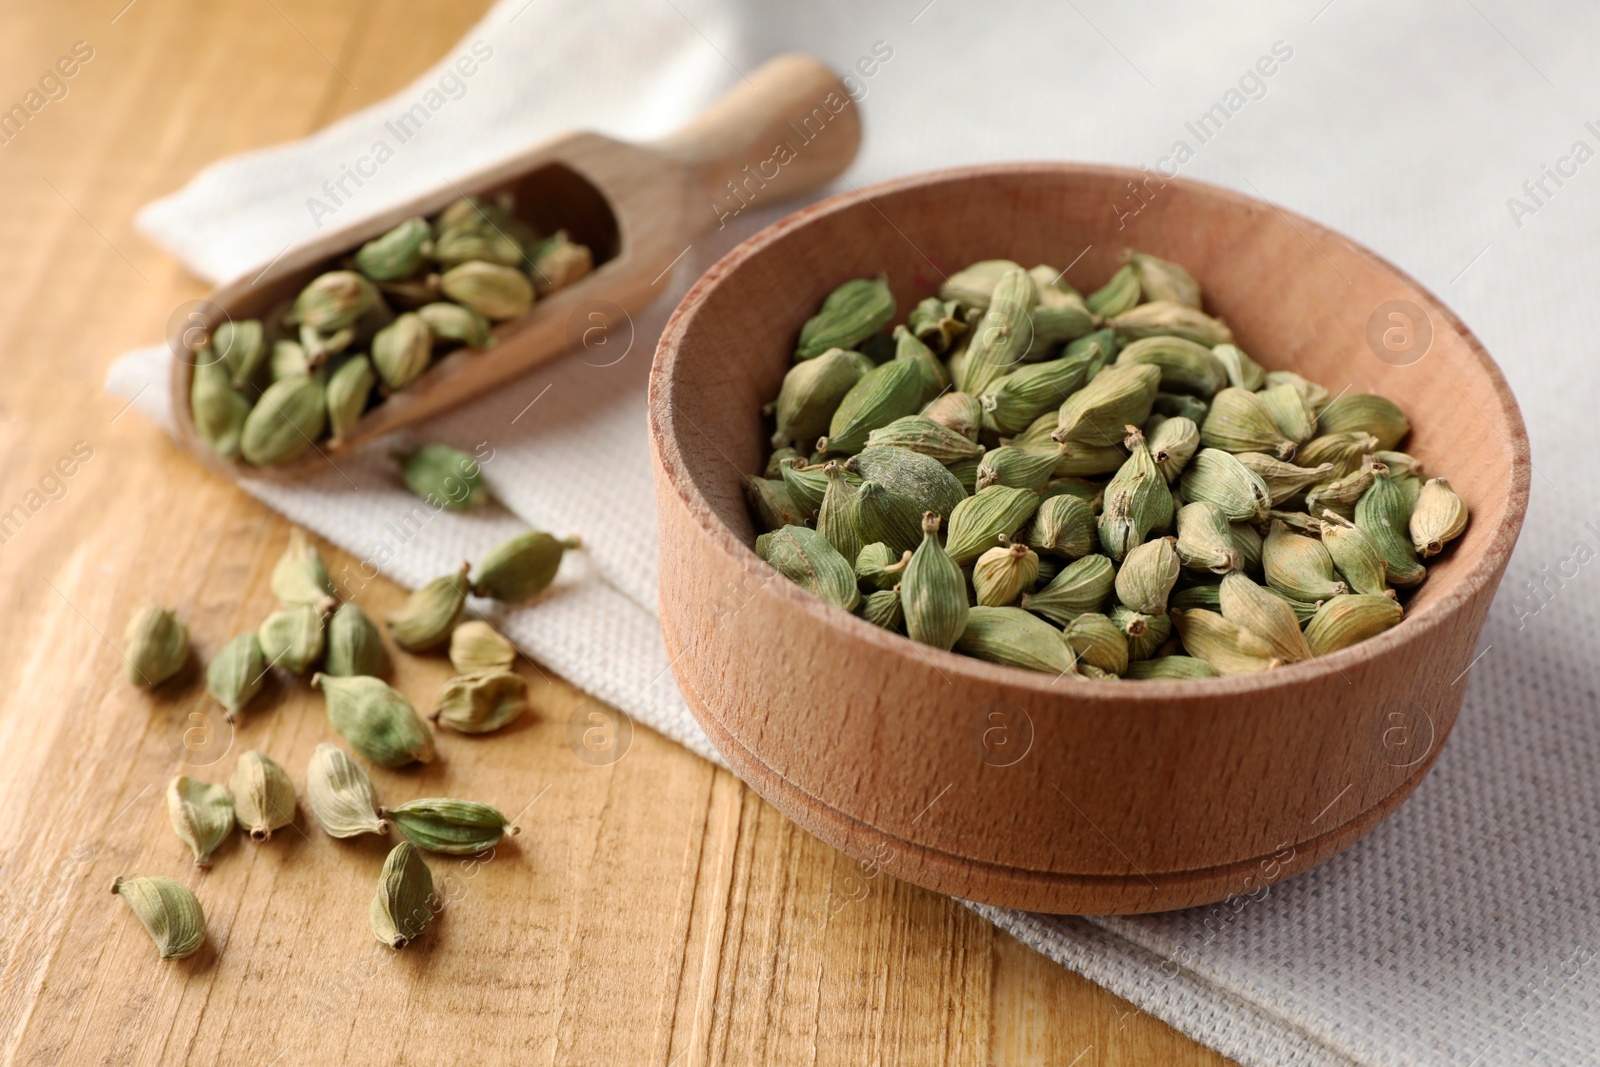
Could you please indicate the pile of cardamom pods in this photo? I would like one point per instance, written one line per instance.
(311, 628)
(1101, 485)
(265, 390)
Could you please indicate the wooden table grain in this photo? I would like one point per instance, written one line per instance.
(653, 910)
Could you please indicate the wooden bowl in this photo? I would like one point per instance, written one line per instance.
(1020, 789)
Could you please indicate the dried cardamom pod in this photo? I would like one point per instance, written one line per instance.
(241, 347)
(478, 242)
(961, 413)
(1240, 421)
(1004, 573)
(1063, 526)
(454, 827)
(402, 350)
(340, 794)
(933, 591)
(806, 558)
(1384, 514)
(1219, 478)
(1399, 464)
(1167, 317)
(236, 674)
(849, 315)
(428, 615)
(558, 262)
(292, 637)
(168, 911)
(836, 518)
(349, 389)
(1298, 521)
(1344, 450)
(1160, 279)
(883, 395)
(935, 377)
(1227, 646)
(288, 360)
(1145, 633)
(878, 568)
(1170, 668)
(218, 409)
(1365, 413)
(1354, 555)
(1083, 585)
(1015, 638)
(883, 608)
(494, 291)
(773, 503)
(288, 418)
(1347, 620)
(936, 322)
(201, 814)
(263, 795)
(443, 476)
(812, 391)
(156, 646)
(923, 479)
(1205, 539)
(1003, 336)
(1147, 576)
(879, 515)
(1291, 412)
(398, 254)
(774, 467)
(1340, 494)
(979, 522)
(806, 484)
(1098, 642)
(1299, 566)
(1173, 442)
(481, 703)
(452, 322)
(1438, 518)
(1018, 466)
(1118, 295)
(1248, 541)
(1283, 480)
(921, 434)
(403, 906)
(1099, 348)
(300, 576)
(973, 286)
(1137, 500)
(1186, 367)
(1242, 371)
(333, 301)
(1014, 401)
(475, 647)
(1177, 405)
(1248, 605)
(1095, 415)
(1060, 315)
(1315, 394)
(377, 720)
(354, 645)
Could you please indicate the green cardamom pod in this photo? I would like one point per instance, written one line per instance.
(476, 647)
(333, 301)
(1095, 415)
(1004, 335)
(1137, 501)
(494, 291)
(1145, 633)
(287, 420)
(960, 413)
(1365, 413)
(1247, 541)
(883, 608)
(1098, 642)
(774, 468)
(558, 262)
(201, 814)
(1063, 526)
(883, 395)
(1170, 668)
(292, 637)
(806, 558)
(1349, 619)
(1243, 372)
(923, 479)
(1186, 367)
(1173, 442)
(241, 347)
(1240, 421)
(424, 621)
(1176, 405)
(934, 375)
(1014, 401)
(288, 360)
(453, 827)
(349, 389)
(973, 286)
(476, 242)
(1118, 295)
(1344, 450)
(354, 645)
(933, 591)
(444, 476)
(979, 522)
(156, 646)
(1015, 638)
(1298, 521)
(1283, 480)
(773, 503)
(340, 794)
(936, 322)
(1147, 576)
(1004, 573)
(1218, 477)
(168, 911)
(1060, 315)
(1082, 586)
(1018, 466)
(878, 567)
(452, 322)
(521, 567)
(481, 703)
(398, 254)
(1341, 494)
(1291, 412)
(300, 576)
(1205, 539)
(236, 674)
(1161, 279)
(402, 350)
(1246, 604)
(219, 410)
(263, 795)
(1299, 566)
(812, 391)
(1438, 517)
(1170, 318)
(919, 433)
(836, 518)
(1227, 646)
(850, 314)
(403, 906)
(1355, 556)
(320, 347)
(1384, 514)
(376, 719)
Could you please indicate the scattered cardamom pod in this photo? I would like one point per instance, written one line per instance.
(481, 703)
(168, 911)
(377, 720)
(428, 615)
(263, 796)
(201, 814)
(156, 646)
(292, 637)
(236, 674)
(340, 794)
(300, 576)
(522, 567)
(475, 647)
(354, 645)
(403, 906)
(443, 476)
(454, 827)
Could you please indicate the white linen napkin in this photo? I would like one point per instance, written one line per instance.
(1456, 141)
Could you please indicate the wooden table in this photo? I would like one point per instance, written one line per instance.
(652, 911)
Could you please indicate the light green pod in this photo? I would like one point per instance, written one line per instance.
(454, 827)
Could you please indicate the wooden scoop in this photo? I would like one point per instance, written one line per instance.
(789, 128)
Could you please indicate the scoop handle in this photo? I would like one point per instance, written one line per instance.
(790, 127)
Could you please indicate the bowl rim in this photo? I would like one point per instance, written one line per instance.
(670, 459)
